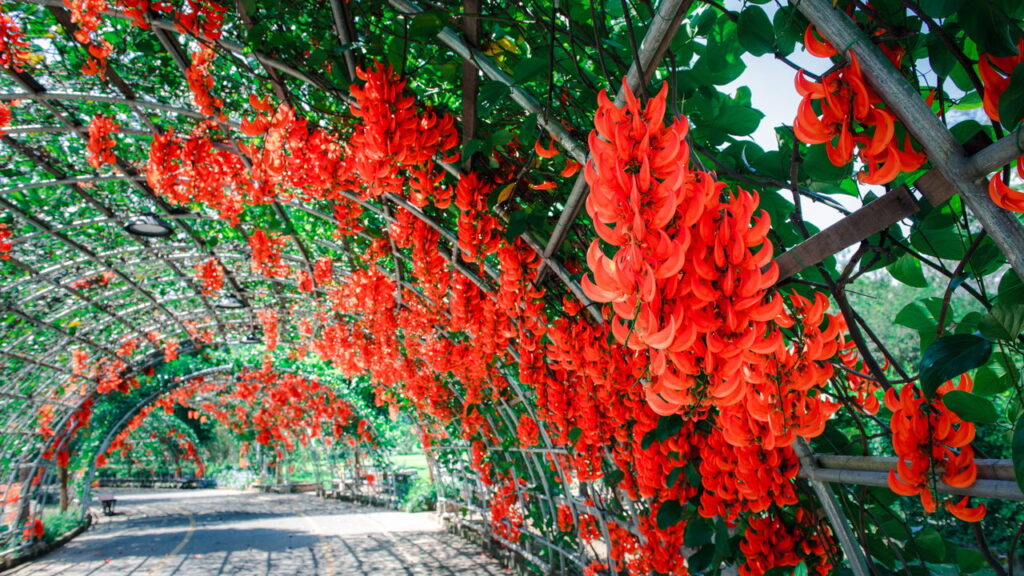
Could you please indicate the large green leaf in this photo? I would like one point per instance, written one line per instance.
(951, 356)
(907, 269)
(970, 407)
(1003, 322)
(755, 31)
(920, 315)
(931, 545)
(1011, 103)
(737, 120)
(670, 514)
(699, 532)
(989, 28)
(991, 379)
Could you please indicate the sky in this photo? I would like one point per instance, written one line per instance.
(773, 92)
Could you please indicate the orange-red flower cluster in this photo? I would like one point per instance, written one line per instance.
(995, 75)
(5, 241)
(204, 19)
(101, 145)
(200, 81)
(268, 319)
(14, 52)
(395, 135)
(266, 254)
(87, 14)
(211, 273)
(1002, 195)
(932, 442)
(770, 542)
(690, 283)
(851, 117)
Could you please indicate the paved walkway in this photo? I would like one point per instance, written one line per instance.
(222, 533)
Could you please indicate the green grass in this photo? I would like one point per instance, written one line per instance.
(417, 462)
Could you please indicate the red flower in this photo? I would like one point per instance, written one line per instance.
(266, 254)
(212, 275)
(14, 54)
(268, 318)
(101, 145)
(200, 79)
(931, 441)
(5, 244)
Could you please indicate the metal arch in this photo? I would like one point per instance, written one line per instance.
(68, 119)
(77, 97)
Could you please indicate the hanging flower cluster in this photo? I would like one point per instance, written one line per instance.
(769, 542)
(266, 254)
(14, 54)
(852, 117)
(101, 145)
(268, 319)
(200, 81)
(395, 137)
(5, 241)
(690, 283)
(195, 169)
(995, 75)
(211, 273)
(204, 19)
(932, 442)
(93, 281)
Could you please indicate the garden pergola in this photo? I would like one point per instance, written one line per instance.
(407, 193)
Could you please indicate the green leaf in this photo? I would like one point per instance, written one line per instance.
(701, 560)
(1018, 452)
(991, 379)
(788, 30)
(755, 31)
(529, 68)
(613, 478)
(721, 539)
(941, 59)
(989, 28)
(516, 225)
(969, 560)
(737, 120)
(698, 532)
(940, 8)
(668, 426)
(907, 269)
(951, 356)
(931, 545)
(1011, 289)
(1003, 322)
(970, 407)
(920, 315)
(674, 476)
(670, 514)
(426, 25)
(1011, 103)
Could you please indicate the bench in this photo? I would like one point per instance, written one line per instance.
(108, 505)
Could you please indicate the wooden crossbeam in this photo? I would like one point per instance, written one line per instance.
(871, 219)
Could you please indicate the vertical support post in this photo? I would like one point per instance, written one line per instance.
(840, 526)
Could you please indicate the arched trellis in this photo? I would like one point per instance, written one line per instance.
(959, 170)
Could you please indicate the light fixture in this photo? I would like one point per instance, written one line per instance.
(230, 302)
(252, 338)
(149, 225)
